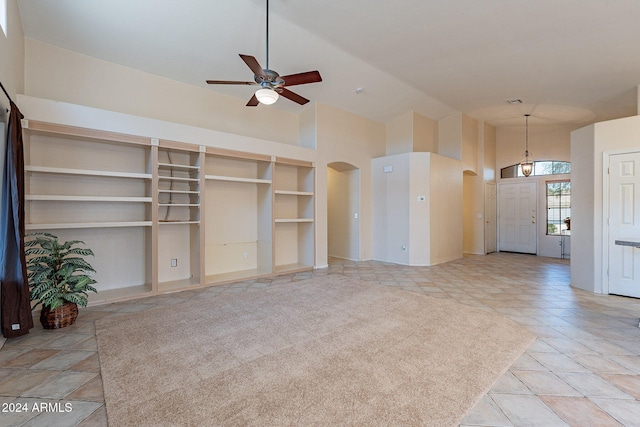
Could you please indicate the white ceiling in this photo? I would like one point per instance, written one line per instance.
(570, 61)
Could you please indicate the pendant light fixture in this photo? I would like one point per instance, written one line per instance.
(526, 164)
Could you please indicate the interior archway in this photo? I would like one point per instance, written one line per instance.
(343, 211)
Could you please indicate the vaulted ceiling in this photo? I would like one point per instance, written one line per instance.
(571, 62)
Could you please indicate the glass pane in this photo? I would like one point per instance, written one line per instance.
(561, 167)
(543, 168)
(558, 206)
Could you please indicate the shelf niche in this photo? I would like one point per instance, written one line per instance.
(294, 207)
(239, 239)
(179, 197)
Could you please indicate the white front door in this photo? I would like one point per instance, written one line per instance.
(517, 217)
(624, 224)
(490, 228)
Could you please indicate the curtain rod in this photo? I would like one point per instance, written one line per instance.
(6, 93)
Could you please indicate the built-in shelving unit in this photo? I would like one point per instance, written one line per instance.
(294, 207)
(94, 186)
(163, 216)
(179, 184)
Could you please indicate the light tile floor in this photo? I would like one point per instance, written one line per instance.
(584, 369)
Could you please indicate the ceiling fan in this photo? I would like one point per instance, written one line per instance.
(271, 83)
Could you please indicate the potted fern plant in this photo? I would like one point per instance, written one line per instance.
(59, 278)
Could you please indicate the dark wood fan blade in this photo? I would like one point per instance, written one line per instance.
(302, 78)
(293, 96)
(229, 82)
(253, 101)
(253, 64)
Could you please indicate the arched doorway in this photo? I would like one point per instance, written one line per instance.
(343, 211)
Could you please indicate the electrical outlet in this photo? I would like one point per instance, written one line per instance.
(404, 248)
(245, 255)
(174, 262)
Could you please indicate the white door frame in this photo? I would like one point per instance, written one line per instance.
(606, 208)
(537, 204)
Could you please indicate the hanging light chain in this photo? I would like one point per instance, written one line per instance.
(526, 137)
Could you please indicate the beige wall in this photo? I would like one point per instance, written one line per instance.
(343, 204)
(446, 209)
(450, 136)
(590, 147)
(545, 143)
(470, 158)
(473, 205)
(62, 75)
(425, 134)
(412, 132)
(355, 140)
(478, 152)
(400, 134)
(489, 155)
(391, 209)
(417, 208)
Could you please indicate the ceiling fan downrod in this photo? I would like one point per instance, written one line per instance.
(267, 34)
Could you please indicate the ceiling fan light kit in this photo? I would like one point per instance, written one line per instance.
(272, 85)
(267, 96)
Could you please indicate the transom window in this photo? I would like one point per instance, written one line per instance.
(542, 167)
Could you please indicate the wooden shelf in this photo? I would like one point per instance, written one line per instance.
(70, 171)
(293, 193)
(178, 178)
(59, 198)
(237, 179)
(234, 276)
(178, 285)
(179, 191)
(292, 268)
(120, 294)
(72, 225)
(166, 205)
(290, 220)
(177, 166)
(161, 222)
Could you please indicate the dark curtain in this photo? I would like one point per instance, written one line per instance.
(14, 301)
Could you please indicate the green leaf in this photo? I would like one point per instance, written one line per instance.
(79, 251)
(37, 251)
(79, 299)
(77, 263)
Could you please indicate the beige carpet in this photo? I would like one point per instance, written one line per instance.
(324, 351)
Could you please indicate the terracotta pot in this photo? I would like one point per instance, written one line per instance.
(59, 317)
